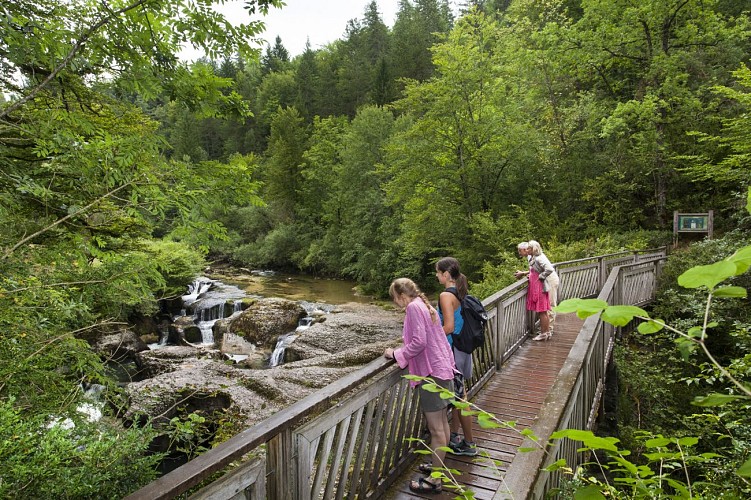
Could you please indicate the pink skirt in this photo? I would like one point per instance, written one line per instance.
(537, 298)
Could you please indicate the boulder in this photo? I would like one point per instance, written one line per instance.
(266, 319)
(184, 329)
(234, 344)
(123, 344)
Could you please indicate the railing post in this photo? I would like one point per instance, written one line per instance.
(602, 272)
(281, 467)
(500, 334)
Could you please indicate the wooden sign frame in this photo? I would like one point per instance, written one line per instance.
(684, 222)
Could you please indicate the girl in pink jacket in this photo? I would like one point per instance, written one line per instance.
(425, 353)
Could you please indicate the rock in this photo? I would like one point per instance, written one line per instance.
(120, 345)
(183, 329)
(266, 319)
(165, 359)
(234, 344)
(353, 335)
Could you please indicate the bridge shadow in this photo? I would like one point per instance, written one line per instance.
(514, 394)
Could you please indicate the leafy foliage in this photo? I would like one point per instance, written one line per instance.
(43, 459)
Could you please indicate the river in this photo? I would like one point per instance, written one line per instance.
(298, 287)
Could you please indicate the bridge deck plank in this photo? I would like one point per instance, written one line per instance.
(515, 393)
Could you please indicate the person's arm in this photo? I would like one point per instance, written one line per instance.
(446, 299)
(545, 264)
(417, 338)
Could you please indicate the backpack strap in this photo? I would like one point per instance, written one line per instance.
(455, 292)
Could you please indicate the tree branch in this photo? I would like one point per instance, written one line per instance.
(76, 48)
(60, 221)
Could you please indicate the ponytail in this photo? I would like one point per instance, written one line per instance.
(407, 287)
(451, 265)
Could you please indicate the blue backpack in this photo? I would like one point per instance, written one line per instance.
(475, 318)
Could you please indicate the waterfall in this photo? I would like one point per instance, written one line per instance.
(208, 301)
(196, 289)
(277, 357)
(209, 313)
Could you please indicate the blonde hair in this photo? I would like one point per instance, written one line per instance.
(408, 288)
(536, 247)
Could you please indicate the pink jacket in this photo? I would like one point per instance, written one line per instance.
(426, 352)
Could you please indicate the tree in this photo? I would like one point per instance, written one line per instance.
(459, 157)
(276, 58)
(365, 47)
(84, 185)
(283, 178)
(416, 29)
(366, 235)
(656, 61)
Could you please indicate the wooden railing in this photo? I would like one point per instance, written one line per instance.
(350, 438)
(574, 400)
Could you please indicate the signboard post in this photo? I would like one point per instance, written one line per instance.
(692, 223)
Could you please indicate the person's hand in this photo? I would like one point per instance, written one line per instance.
(519, 274)
(388, 353)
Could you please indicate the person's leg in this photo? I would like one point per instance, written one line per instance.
(463, 362)
(466, 421)
(544, 322)
(454, 423)
(439, 430)
(545, 332)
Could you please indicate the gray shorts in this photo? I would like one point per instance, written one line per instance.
(464, 365)
(431, 401)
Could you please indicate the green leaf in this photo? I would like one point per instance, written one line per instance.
(745, 469)
(588, 438)
(659, 442)
(716, 399)
(651, 326)
(741, 259)
(558, 464)
(688, 441)
(695, 332)
(622, 315)
(685, 347)
(707, 276)
(589, 492)
(730, 291)
(582, 307)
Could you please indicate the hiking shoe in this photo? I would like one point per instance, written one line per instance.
(455, 439)
(464, 448)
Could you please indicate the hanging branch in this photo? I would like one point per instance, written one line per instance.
(60, 221)
(76, 48)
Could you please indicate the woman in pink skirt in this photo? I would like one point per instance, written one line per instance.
(538, 300)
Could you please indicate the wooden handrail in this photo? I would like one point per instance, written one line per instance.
(185, 477)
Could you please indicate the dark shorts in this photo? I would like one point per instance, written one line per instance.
(431, 401)
(463, 364)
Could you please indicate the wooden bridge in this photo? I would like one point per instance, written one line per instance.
(349, 440)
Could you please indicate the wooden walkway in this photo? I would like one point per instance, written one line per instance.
(515, 393)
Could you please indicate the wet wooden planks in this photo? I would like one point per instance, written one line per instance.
(514, 394)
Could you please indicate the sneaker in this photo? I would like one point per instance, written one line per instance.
(455, 439)
(465, 448)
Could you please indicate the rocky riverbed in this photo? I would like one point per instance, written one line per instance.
(181, 379)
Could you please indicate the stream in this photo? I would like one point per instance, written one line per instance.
(219, 295)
